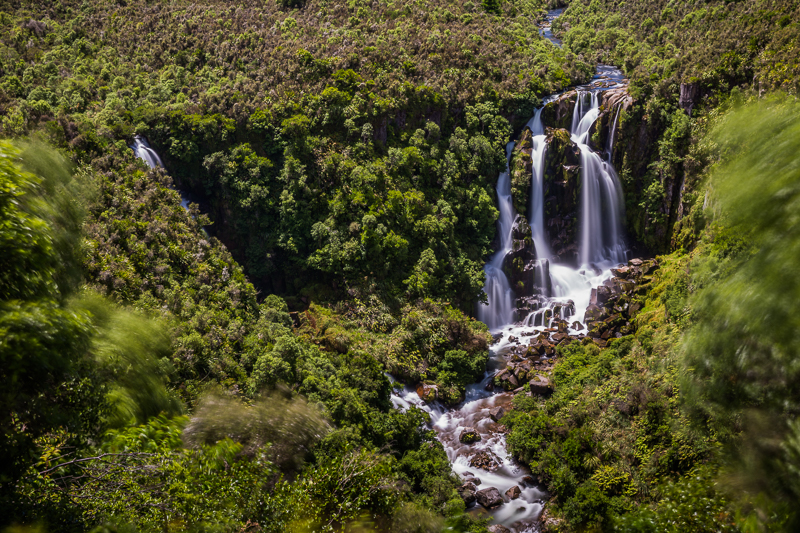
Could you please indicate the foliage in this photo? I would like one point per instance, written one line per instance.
(45, 365)
(741, 365)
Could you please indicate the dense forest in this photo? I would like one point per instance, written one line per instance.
(224, 341)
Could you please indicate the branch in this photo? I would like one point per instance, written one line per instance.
(76, 461)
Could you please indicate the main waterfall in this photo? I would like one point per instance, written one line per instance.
(601, 195)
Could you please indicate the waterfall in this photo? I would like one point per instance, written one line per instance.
(500, 310)
(143, 151)
(601, 204)
(610, 150)
(536, 214)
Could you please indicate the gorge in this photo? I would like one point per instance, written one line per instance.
(534, 295)
(399, 267)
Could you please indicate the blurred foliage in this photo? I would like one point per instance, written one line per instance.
(742, 355)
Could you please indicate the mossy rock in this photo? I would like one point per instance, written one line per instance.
(469, 436)
(521, 170)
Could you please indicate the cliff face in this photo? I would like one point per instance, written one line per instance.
(562, 177)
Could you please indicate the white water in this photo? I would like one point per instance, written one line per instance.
(500, 310)
(536, 214)
(601, 247)
(143, 151)
(601, 209)
(612, 135)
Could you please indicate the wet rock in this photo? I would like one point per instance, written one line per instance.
(512, 338)
(498, 528)
(496, 338)
(529, 481)
(467, 492)
(485, 460)
(496, 413)
(489, 497)
(469, 435)
(514, 492)
(540, 385)
(476, 481)
(522, 252)
(427, 392)
(577, 326)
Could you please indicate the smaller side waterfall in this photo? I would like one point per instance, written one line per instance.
(143, 151)
(500, 310)
(611, 136)
(536, 215)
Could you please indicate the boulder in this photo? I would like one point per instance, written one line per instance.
(593, 314)
(467, 492)
(469, 435)
(506, 380)
(427, 392)
(489, 497)
(621, 272)
(496, 413)
(540, 385)
(498, 528)
(513, 493)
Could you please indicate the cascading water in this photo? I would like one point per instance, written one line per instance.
(500, 310)
(611, 136)
(601, 208)
(143, 151)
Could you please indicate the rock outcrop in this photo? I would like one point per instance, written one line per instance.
(558, 113)
(615, 303)
(489, 497)
(562, 173)
(518, 262)
(521, 169)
